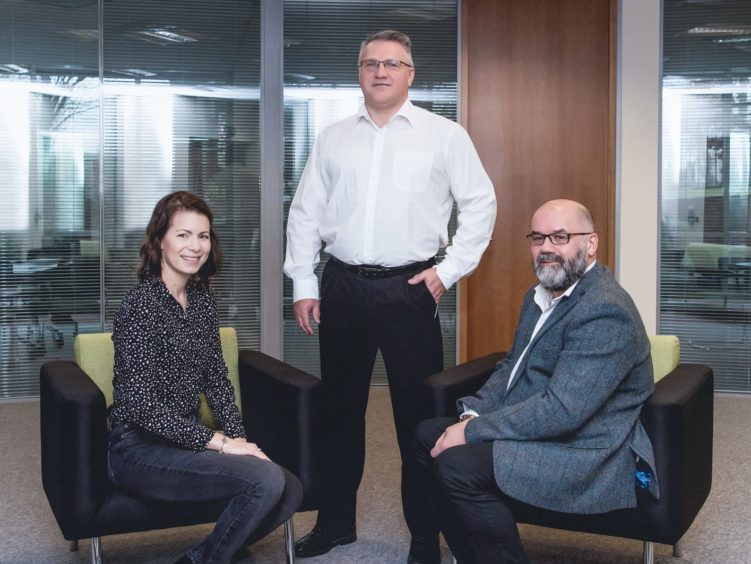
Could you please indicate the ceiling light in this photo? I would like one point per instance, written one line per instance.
(298, 76)
(83, 34)
(429, 14)
(14, 68)
(733, 40)
(137, 72)
(717, 29)
(167, 34)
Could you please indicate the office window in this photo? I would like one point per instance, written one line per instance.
(88, 147)
(705, 271)
(84, 160)
(322, 42)
(49, 147)
(181, 112)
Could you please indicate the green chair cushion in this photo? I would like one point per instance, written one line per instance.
(230, 354)
(95, 354)
(666, 353)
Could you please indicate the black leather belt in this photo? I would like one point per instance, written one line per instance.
(375, 271)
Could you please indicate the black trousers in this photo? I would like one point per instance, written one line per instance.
(457, 494)
(359, 316)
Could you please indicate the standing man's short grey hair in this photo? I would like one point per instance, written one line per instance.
(388, 35)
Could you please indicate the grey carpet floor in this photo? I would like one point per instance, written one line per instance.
(721, 534)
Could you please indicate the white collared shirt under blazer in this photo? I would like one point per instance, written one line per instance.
(383, 196)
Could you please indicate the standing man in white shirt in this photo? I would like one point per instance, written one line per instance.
(378, 190)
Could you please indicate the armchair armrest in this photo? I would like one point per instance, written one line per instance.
(458, 381)
(73, 440)
(678, 418)
(281, 406)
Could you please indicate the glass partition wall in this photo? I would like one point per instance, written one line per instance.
(49, 160)
(705, 286)
(106, 106)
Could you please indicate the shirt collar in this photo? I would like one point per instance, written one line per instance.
(192, 287)
(544, 298)
(407, 112)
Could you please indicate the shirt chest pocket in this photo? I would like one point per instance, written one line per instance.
(411, 172)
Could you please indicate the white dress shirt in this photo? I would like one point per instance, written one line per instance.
(383, 196)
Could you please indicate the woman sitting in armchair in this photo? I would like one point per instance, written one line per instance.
(167, 352)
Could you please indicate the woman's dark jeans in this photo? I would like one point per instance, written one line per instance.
(260, 495)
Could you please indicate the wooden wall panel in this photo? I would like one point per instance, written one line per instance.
(538, 87)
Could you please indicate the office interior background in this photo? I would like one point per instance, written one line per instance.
(107, 105)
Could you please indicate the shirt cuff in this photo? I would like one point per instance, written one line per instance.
(447, 278)
(305, 288)
(466, 410)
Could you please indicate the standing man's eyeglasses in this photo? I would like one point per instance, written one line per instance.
(371, 65)
(555, 238)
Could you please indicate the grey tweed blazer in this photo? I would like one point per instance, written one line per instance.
(566, 434)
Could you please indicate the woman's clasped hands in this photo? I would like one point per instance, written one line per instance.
(237, 446)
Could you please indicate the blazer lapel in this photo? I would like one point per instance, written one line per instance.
(569, 302)
(563, 307)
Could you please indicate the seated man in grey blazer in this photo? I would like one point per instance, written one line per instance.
(557, 424)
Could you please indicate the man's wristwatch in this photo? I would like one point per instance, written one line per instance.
(466, 416)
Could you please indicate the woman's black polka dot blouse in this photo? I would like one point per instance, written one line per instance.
(164, 358)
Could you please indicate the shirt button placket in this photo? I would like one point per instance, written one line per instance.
(372, 196)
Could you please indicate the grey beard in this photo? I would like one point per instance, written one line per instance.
(559, 279)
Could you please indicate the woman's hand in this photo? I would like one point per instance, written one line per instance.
(238, 446)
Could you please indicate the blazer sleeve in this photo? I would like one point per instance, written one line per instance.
(489, 397)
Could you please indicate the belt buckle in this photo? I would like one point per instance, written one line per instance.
(370, 271)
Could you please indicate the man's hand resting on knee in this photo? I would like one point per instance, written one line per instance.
(451, 437)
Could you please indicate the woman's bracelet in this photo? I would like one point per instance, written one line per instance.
(224, 443)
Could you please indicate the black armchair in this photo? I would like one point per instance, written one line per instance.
(678, 418)
(278, 402)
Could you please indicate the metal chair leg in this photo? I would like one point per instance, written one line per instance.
(649, 552)
(678, 548)
(96, 550)
(289, 541)
(73, 545)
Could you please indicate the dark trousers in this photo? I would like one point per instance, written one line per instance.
(359, 316)
(457, 493)
(259, 495)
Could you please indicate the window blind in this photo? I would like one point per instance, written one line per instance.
(182, 113)
(48, 152)
(83, 161)
(705, 270)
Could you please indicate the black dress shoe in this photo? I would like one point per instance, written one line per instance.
(424, 550)
(320, 541)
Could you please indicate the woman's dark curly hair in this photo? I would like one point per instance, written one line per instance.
(161, 218)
